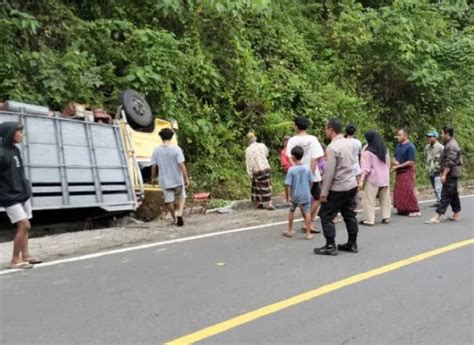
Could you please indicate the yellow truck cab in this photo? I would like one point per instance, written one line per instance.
(143, 144)
(140, 140)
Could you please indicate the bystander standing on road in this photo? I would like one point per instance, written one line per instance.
(376, 175)
(451, 162)
(433, 152)
(168, 164)
(404, 196)
(350, 134)
(298, 183)
(339, 191)
(322, 161)
(15, 193)
(313, 152)
(284, 159)
(259, 171)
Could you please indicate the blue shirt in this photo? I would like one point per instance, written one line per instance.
(405, 152)
(300, 179)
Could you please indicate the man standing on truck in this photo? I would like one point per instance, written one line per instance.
(168, 163)
(15, 193)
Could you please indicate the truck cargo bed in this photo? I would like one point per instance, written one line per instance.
(75, 163)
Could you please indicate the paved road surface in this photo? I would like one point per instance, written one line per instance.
(156, 295)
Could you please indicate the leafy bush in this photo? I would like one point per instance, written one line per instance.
(224, 67)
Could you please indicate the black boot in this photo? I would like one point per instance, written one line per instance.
(350, 246)
(328, 249)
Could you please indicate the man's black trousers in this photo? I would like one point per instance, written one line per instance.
(344, 202)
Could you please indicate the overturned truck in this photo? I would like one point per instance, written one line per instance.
(77, 162)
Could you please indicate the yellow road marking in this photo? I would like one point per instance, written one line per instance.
(306, 296)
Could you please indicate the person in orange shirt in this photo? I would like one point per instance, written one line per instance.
(284, 160)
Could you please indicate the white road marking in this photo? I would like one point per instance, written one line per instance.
(164, 243)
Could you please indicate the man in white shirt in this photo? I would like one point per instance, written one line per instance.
(313, 151)
(168, 163)
(350, 134)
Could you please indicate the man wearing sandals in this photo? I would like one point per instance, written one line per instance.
(15, 193)
(168, 163)
(451, 161)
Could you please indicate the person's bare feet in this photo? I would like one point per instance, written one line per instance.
(414, 214)
(455, 217)
(432, 221)
(311, 230)
(288, 233)
(309, 236)
(20, 265)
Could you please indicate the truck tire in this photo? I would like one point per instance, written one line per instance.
(137, 110)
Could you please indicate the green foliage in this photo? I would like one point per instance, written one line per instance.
(217, 203)
(224, 67)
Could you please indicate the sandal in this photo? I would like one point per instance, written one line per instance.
(309, 237)
(414, 214)
(271, 208)
(20, 265)
(431, 221)
(288, 234)
(34, 260)
(313, 231)
(453, 219)
(363, 222)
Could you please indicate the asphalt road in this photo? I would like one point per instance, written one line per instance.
(156, 295)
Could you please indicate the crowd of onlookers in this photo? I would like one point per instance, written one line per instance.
(326, 180)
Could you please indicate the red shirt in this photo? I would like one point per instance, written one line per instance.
(284, 160)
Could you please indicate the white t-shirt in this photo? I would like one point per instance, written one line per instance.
(168, 158)
(357, 151)
(312, 150)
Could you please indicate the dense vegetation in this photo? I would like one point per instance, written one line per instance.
(224, 67)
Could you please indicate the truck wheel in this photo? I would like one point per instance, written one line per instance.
(137, 110)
